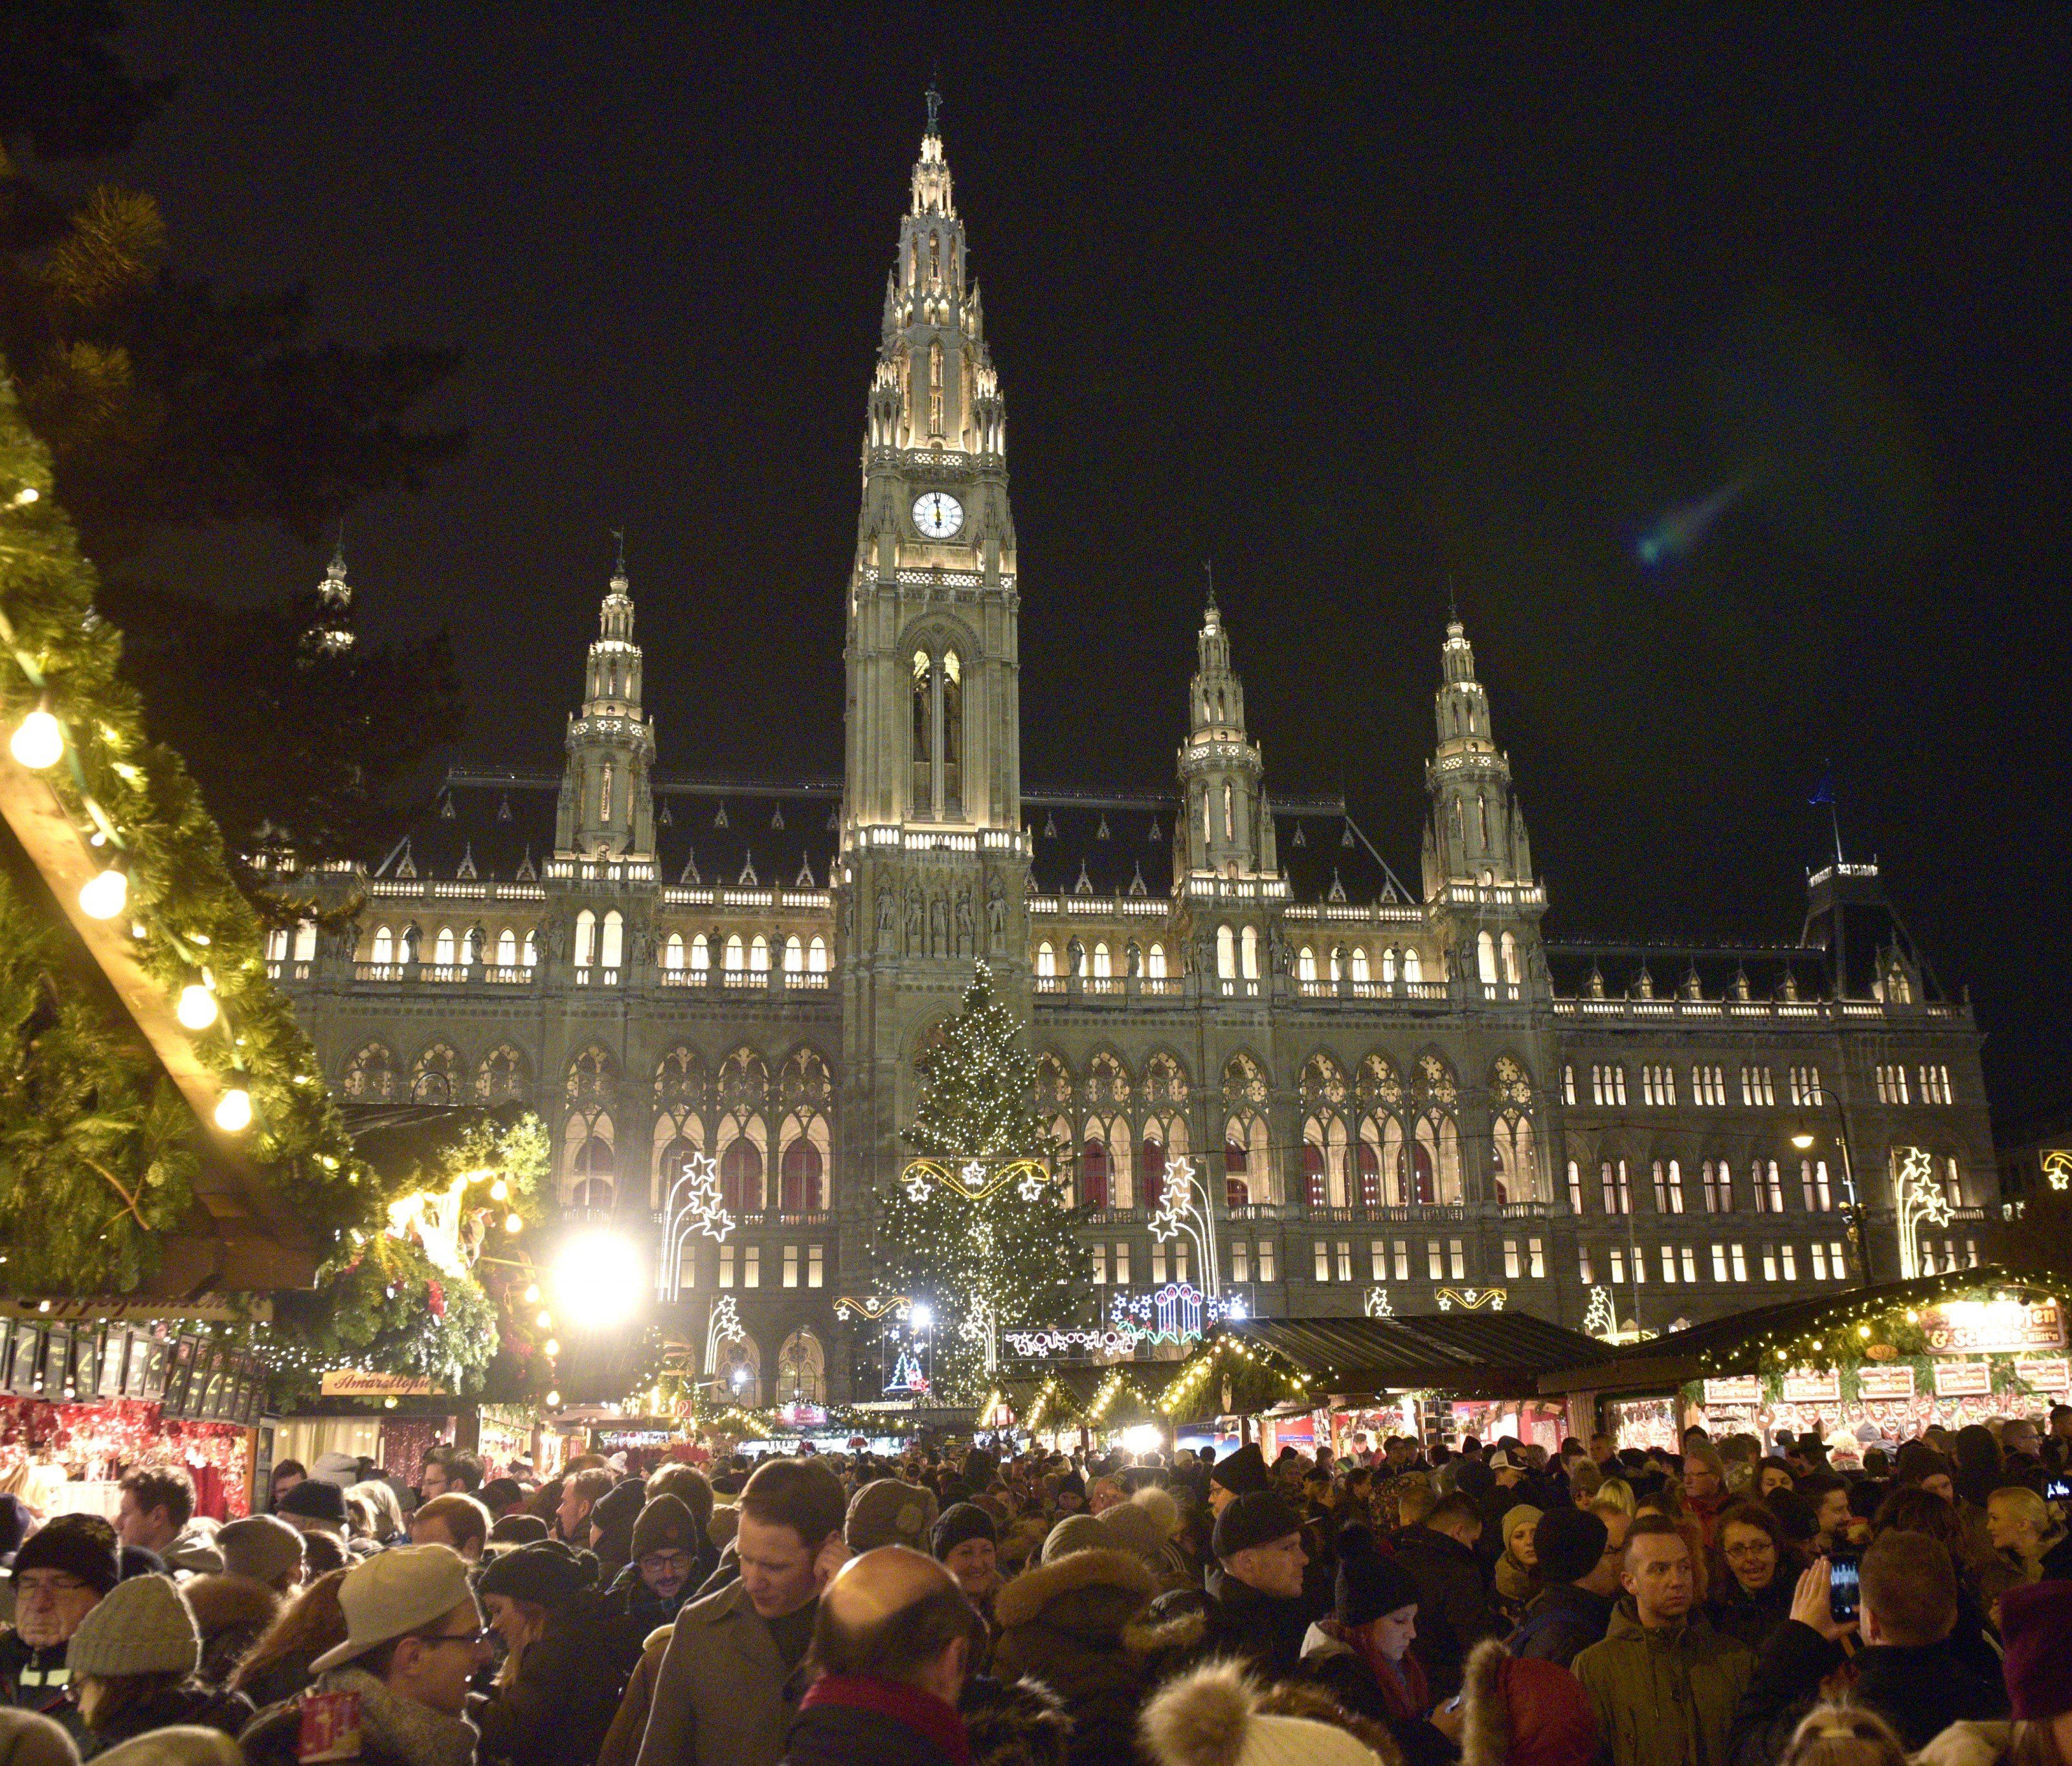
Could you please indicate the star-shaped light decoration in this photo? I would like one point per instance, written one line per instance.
(1378, 1304)
(917, 1185)
(1177, 1200)
(972, 1174)
(1033, 1187)
(702, 1201)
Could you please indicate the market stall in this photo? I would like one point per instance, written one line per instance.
(1871, 1365)
(1074, 1403)
(1440, 1376)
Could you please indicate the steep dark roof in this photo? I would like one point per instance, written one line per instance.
(1124, 846)
(756, 836)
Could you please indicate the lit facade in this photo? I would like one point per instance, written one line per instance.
(1388, 1088)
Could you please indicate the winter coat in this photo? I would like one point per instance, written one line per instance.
(1664, 1697)
(1268, 1630)
(849, 1721)
(1561, 1623)
(232, 1613)
(1515, 1587)
(191, 1703)
(38, 1680)
(1080, 1627)
(1751, 1619)
(1919, 1691)
(1454, 1610)
(1026, 1724)
(557, 1710)
(622, 1742)
(393, 1731)
(723, 1695)
(1522, 1709)
(1340, 1669)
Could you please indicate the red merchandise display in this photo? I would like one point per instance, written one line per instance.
(98, 1444)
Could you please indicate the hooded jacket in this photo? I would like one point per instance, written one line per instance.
(1562, 1621)
(1664, 1697)
(1522, 1711)
(1079, 1626)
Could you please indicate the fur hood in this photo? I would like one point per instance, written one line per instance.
(1968, 1744)
(1220, 1715)
(1517, 1711)
(1025, 1724)
(222, 1601)
(1036, 1588)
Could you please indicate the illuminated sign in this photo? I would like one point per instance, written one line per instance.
(1993, 1327)
(2044, 1373)
(1884, 1383)
(1741, 1391)
(354, 1382)
(1808, 1387)
(1964, 1379)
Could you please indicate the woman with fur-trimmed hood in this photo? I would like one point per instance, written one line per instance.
(1518, 1711)
(1221, 1714)
(1077, 1623)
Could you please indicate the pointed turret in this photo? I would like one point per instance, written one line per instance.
(1227, 830)
(1476, 832)
(607, 806)
(330, 633)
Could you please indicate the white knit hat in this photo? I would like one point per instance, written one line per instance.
(1211, 1717)
(143, 1626)
(393, 1593)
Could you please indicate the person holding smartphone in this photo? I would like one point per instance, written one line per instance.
(1899, 1604)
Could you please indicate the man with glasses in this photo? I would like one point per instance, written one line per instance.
(60, 1575)
(394, 1692)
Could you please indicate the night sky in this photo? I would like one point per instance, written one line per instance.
(1363, 309)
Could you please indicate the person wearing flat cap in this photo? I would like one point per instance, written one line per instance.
(414, 1639)
(558, 1689)
(1257, 1609)
(314, 1505)
(61, 1574)
(133, 1661)
(262, 1565)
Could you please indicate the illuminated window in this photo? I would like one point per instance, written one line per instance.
(1575, 1186)
(1377, 1259)
(1122, 1265)
(1839, 1263)
(751, 1265)
(1535, 1265)
(1819, 1255)
(1569, 1083)
(1740, 1263)
(1618, 1196)
(1345, 1260)
(790, 1266)
(1813, 1177)
(1511, 1258)
(1226, 953)
(1787, 1253)
(1690, 1256)
(1719, 1262)
(1266, 1261)
(1434, 1264)
(1323, 1261)
(1249, 948)
(1583, 1272)
(1458, 1253)
(726, 1265)
(1100, 1265)
(700, 953)
(1155, 963)
(1403, 1259)
(1241, 1261)
(1669, 1262)
(1618, 1265)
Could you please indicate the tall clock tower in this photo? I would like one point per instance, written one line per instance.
(935, 859)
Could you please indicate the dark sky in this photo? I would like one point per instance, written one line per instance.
(1361, 307)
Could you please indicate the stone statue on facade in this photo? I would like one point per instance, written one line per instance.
(964, 933)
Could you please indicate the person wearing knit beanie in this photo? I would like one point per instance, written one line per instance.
(1075, 1533)
(1259, 1606)
(1071, 1493)
(1236, 1474)
(1579, 1584)
(959, 1522)
(82, 1546)
(1517, 1580)
(1569, 1542)
(966, 1542)
(1361, 1652)
(144, 1626)
(132, 1662)
(611, 1518)
(886, 1511)
(1371, 1584)
(1134, 1528)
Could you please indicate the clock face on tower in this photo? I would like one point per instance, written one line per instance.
(937, 514)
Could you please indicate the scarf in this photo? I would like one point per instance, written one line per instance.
(401, 1727)
(921, 1711)
(1402, 1683)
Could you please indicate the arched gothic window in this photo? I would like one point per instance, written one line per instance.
(1226, 953)
(1486, 959)
(741, 1175)
(611, 947)
(1046, 958)
(1250, 945)
(586, 938)
(384, 945)
(443, 947)
(1510, 958)
(953, 735)
(1230, 821)
(798, 1177)
(507, 949)
(1094, 1173)
(672, 952)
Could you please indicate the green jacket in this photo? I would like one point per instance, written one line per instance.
(1663, 1697)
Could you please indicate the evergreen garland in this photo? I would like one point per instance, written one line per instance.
(88, 1190)
(1013, 1250)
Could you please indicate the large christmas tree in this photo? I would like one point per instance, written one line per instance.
(976, 1229)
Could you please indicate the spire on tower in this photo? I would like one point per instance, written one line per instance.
(330, 633)
(618, 574)
(1209, 570)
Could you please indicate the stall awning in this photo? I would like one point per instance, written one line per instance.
(1109, 1396)
(1466, 1354)
(1738, 1343)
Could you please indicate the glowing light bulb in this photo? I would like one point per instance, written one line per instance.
(38, 741)
(546, 1318)
(553, 1401)
(513, 1224)
(103, 896)
(233, 1109)
(533, 1294)
(196, 1010)
(500, 1191)
(28, 494)
(551, 1346)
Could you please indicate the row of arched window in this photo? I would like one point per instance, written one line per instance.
(600, 942)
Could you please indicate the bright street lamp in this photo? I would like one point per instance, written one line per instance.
(598, 1278)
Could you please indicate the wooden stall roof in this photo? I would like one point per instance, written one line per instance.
(1472, 1354)
(1070, 1391)
(1735, 1344)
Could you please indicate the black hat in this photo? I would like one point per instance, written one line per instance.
(959, 1522)
(1256, 1518)
(621, 1502)
(1369, 1583)
(666, 1524)
(142, 1561)
(500, 1494)
(1241, 1472)
(518, 1529)
(314, 1500)
(548, 1574)
(1074, 1482)
(1569, 1543)
(80, 1544)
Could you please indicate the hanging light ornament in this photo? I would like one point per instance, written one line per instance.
(196, 1010)
(37, 741)
(233, 1109)
(104, 895)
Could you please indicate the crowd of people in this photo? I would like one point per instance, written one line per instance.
(1405, 1604)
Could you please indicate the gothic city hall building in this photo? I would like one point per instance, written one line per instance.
(1387, 1089)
